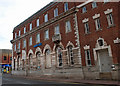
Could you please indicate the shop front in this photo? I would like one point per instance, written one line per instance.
(6, 68)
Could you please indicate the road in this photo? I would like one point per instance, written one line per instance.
(8, 80)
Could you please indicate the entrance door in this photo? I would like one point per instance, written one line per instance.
(104, 64)
(104, 60)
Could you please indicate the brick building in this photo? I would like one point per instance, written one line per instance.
(5, 60)
(69, 39)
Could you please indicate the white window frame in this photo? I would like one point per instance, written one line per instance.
(46, 34)
(57, 29)
(66, 7)
(46, 17)
(38, 21)
(30, 41)
(68, 26)
(97, 24)
(88, 58)
(94, 5)
(84, 9)
(30, 26)
(38, 38)
(55, 12)
(110, 19)
(24, 30)
(87, 29)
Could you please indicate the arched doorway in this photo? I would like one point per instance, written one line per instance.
(18, 63)
(30, 61)
(38, 61)
(47, 58)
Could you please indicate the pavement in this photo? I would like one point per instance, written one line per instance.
(75, 81)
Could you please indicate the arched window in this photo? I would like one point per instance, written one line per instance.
(70, 54)
(30, 60)
(59, 56)
(18, 62)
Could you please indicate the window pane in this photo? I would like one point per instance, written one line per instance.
(24, 43)
(30, 41)
(97, 23)
(87, 55)
(68, 27)
(5, 57)
(37, 22)
(70, 54)
(57, 30)
(19, 33)
(38, 38)
(59, 53)
(94, 5)
(31, 26)
(86, 28)
(15, 47)
(84, 10)
(110, 19)
(46, 17)
(46, 34)
(56, 12)
(66, 7)
(19, 45)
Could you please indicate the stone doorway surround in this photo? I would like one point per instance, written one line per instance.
(98, 47)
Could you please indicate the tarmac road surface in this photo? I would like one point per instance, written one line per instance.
(9, 80)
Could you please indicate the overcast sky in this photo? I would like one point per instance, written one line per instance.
(12, 13)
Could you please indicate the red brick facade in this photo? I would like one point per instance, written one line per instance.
(80, 41)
